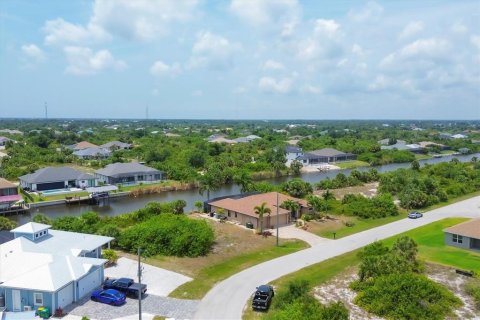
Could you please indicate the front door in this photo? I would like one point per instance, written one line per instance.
(17, 302)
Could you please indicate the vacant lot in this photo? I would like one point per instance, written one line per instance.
(235, 249)
(368, 190)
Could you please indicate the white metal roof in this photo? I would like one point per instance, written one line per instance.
(31, 227)
(50, 262)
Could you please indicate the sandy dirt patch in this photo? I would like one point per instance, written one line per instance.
(367, 190)
(320, 167)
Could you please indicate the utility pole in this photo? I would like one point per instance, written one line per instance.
(277, 219)
(139, 286)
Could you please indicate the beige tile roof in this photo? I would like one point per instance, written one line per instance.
(84, 145)
(6, 184)
(247, 204)
(469, 229)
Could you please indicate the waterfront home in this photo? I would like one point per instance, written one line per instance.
(292, 153)
(241, 208)
(414, 148)
(93, 153)
(326, 155)
(81, 145)
(8, 194)
(128, 173)
(465, 235)
(49, 268)
(53, 178)
(116, 145)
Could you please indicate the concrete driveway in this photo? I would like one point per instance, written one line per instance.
(227, 299)
(160, 282)
(292, 232)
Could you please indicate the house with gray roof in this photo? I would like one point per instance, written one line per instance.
(292, 153)
(41, 267)
(3, 141)
(128, 173)
(325, 155)
(94, 153)
(53, 178)
(116, 145)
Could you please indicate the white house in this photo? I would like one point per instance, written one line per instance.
(41, 267)
(292, 153)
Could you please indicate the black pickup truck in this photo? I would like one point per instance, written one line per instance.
(263, 297)
(125, 285)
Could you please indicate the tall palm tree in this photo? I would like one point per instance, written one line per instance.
(261, 210)
(291, 205)
(244, 180)
(208, 183)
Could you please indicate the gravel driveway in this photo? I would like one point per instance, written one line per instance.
(168, 307)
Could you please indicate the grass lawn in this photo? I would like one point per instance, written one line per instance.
(164, 183)
(327, 228)
(422, 156)
(235, 249)
(60, 196)
(430, 240)
(431, 246)
(352, 164)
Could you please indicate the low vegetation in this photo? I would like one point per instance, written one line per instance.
(473, 289)
(296, 302)
(7, 224)
(391, 285)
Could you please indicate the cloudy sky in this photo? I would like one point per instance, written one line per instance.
(241, 59)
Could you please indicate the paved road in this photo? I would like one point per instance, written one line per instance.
(227, 299)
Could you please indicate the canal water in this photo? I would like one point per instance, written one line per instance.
(128, 204)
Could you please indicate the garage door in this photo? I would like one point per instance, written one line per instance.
(50, 186)
(65, 296)
(89, 283)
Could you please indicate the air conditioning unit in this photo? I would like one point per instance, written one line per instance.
(27, 308)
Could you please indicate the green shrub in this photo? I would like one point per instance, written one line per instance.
(7, 224)
(41, 218)
(169, 235)
(407, 296)
(110, 255)
(349, 224)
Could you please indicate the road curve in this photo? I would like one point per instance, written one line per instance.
(227, 299)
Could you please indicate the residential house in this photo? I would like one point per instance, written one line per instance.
(116, 145)
(52, 178)
(326, 155)
(292, 153)
(246, 139)
(128, 173)
(459, 136)
(386, 142)
(42, 267)
(82, 145)
(93, 153)
(415, 148)
(4, 140)
(241, 208)
(430, 144)
(9, 131)
(465, 235)
(8, 194)
(214, 138)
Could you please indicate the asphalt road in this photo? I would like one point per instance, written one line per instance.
(228, 298)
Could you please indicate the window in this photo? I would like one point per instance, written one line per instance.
(38, 299)
(457, 238)
(229, 213)
(36, 235)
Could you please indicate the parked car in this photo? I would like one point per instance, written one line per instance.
(125, 285)
(263, 297)
(110, 296)
(415, 215)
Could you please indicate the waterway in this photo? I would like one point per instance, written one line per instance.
(127, 204)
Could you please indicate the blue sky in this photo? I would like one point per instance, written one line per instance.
(240, 59)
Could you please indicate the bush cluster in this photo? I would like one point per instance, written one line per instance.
(376, 207)
(356, 178)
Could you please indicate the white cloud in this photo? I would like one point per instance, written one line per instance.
(311, 89)
(326, 28)
(272, 85)
(380, 82)
(370, 12)
(325, 42)
(132, 20)
(358, 50)
(197, 93)
(459, 28)
(159, 68)
(83, 61)
(273, 65)
(263, 12)
(212, 51)
(60, 32)
(411, 29)
(33, 52)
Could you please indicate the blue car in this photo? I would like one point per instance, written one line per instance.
(109, 296)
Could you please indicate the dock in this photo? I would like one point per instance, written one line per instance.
(15, 210)
(96, 196)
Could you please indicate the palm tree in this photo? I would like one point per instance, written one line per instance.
(261, 210)
(291, 206)
(244, 180)
(208, 183)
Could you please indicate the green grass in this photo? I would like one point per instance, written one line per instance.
(59, 196)
(164, 183)
(209, 276)
(352, 164)
(360, 225)
(431, 246)
(422, 156)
